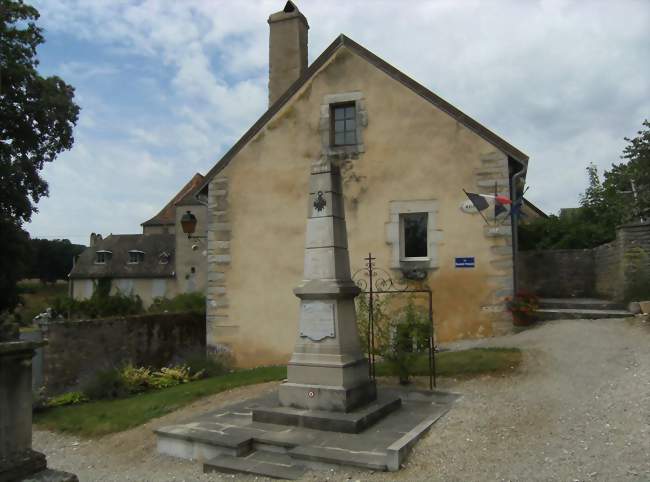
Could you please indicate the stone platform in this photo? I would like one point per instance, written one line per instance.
(230, 440)
(347, 422)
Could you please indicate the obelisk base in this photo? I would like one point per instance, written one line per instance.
(342, 388)
(328, 398)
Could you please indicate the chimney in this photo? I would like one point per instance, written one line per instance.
(287, 49)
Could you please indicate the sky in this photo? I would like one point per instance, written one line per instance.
(166, 87)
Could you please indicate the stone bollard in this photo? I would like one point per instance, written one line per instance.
(17, 459)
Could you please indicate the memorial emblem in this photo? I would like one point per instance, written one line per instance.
(320, 202)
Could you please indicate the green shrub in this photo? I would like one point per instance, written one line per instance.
(98, 306)
(410, 332)
(105, 384)
(171, 376)
(69, 398)
(136, 379)
(185, 302)
(400, 335)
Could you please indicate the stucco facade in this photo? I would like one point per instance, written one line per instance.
(411, 156)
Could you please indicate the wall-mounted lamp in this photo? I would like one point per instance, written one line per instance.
(188, 223)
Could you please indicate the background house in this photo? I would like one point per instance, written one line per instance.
(160, 262)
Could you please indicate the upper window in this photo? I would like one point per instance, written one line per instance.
(414, 227)
(136, 256)
(344, 124)
(102, 256)
(163, 258)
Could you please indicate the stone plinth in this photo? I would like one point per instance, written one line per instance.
(328, 370)
(17, 459)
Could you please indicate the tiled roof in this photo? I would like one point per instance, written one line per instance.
(118, 266)
(185, 196)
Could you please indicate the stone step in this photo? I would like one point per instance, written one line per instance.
(350, 422)
(266, 464)
(574, 314)
(579, 304)
(202, 441)
(355, 458)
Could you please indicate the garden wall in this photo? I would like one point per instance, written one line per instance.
(557, 273)
(76, 350)
(606, 271)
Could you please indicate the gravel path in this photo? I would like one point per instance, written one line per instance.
(579, 409)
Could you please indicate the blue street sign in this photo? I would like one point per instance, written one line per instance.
(465, 262)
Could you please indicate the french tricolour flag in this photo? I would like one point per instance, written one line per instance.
(483, 201)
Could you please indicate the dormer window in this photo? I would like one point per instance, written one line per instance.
(102, 256)
(163, 258)
(135, 256)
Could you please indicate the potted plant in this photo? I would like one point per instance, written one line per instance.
(523, 307)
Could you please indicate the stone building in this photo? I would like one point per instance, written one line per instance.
(160, 262)
(405, 154)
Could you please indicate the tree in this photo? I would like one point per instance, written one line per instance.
(37, 116)
(51, 260)
(622, 196)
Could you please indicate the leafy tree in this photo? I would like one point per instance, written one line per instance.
(37, 115)
(604, 205)
(51, 260)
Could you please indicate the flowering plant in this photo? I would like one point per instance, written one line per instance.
(523, 307)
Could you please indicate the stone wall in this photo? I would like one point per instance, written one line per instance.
(76, 350)
(559, 273)
(606, 271)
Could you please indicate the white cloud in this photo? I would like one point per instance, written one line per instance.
(563, 81)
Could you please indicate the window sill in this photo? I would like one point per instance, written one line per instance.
(415, 260)
(345, 151)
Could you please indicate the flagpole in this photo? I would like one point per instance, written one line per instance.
(495, 203)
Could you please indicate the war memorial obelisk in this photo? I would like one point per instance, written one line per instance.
(328, 369)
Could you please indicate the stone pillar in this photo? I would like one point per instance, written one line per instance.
(328, 370)
(17, 459)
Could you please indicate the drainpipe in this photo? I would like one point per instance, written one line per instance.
(514, 221)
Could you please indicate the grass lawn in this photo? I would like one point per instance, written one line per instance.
(107, 416)
(38, 297)
(464, 363)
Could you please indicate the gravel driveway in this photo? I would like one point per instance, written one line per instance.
(578, 409)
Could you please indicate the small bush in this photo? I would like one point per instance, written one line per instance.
(106, 384)
(136, 379)
(410, 337)
(523, 307)
(171, 376)
(97, 306)
(185, 302)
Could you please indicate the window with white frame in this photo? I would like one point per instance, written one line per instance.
(102, 256)
(413, 234)
(135, 256)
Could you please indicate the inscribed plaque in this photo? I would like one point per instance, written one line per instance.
(317, 319)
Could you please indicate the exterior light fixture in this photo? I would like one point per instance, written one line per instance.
(188, 223)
